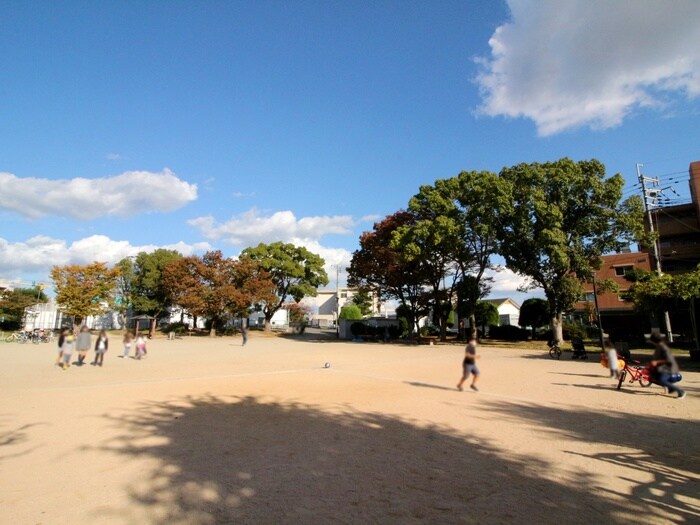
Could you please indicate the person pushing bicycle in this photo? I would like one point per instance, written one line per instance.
(663, 365)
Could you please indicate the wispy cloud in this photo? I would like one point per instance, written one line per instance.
(571, 63)
(113, 156)
(130, 193)
(209, 184)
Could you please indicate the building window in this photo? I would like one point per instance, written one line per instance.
(620, 271)
(343, 295)
(587, 297)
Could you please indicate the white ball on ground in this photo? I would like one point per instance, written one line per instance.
(327, 365)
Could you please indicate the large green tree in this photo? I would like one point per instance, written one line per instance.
(477, 194)
(82, 291)
(557, 220)
(124, 284)
(149, 293)
(295, 271)
(437, 241)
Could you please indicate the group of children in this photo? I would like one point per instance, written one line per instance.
(81, 342)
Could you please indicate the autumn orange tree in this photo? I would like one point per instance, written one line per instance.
(216, 287)
(382, 268)
(82, 291)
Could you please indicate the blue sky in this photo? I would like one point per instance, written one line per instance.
(132, 125)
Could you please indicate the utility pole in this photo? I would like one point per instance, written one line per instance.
(337, 301)
(651, 201)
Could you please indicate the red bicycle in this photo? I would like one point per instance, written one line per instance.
(636, 372)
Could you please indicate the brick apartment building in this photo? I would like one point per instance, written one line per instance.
(678, 228)
(618, 317)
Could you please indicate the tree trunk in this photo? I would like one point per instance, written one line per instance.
(557, 327)
(472, 326)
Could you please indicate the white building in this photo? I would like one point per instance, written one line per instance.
(508, 311)
(326, 305)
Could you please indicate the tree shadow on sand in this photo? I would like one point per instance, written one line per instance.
(244, 460)
(10, 439)
(664, 450)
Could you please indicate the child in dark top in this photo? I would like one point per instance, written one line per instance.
(101, 346)
(469, 365)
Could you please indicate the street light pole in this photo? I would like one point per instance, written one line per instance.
(597, 313)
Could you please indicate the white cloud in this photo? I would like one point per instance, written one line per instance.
(507, 283)
(130, 193)
(336, 259)
(571, 63)
(113, 156)
(250, 228)
(38, 254)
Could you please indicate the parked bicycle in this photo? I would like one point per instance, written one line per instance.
(18, 337)
(554, 349)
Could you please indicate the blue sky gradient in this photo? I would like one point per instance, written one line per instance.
(128, 126)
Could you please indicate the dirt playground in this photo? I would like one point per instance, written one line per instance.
(205, 431)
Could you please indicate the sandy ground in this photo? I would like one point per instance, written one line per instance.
(206, 431)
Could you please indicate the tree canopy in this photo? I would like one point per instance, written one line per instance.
(486, 314)
(363, 300)
(14, 302)
(216, 287)
(534, 312)
(477, 195)
(83, 291)
(124, 288)
(379, 266)
(149, 294)
(350, 312)
(435, 239)
(295, 271)
(557, 220)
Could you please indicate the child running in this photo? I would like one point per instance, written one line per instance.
(469, 365)
(61, 339)
(127, 344)
(140, 347)
(612, 359)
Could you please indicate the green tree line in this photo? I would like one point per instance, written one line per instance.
(263, 278)
(551, 223)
